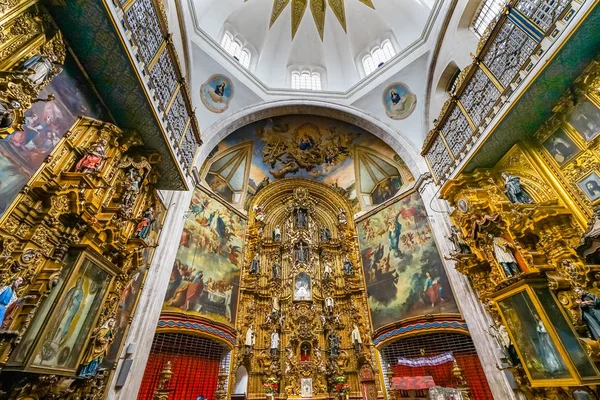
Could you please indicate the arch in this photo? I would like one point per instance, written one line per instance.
(447, 78)
(397, 140)
(241, 380)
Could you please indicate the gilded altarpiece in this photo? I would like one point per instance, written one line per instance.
(303, 317)
(526, 234)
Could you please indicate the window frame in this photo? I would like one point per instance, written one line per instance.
(487, 12)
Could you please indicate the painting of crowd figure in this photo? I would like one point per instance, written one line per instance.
(22, 152)
(403, 269)
(205, 276)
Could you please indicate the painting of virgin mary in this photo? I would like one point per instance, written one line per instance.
(216, 93)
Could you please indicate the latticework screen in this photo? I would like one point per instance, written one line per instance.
(461, 347)
(195, 362)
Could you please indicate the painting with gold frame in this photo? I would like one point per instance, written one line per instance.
(590, 186)
(65, 325)
(561, 146)
(546, 344)
(585, 119)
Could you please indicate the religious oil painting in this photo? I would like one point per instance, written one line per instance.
(560, 146)
(538, 351)
(133, 287)
(399, 101)
(73, 318)
(206, 273)
(403, 270)
(22, 152)
(585, 118)
(216, 93)
(302, 287)
(590, 186)
(357, 164)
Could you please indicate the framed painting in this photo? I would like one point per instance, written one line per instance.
(398, 100)
(216, 93)
(585, 118)
(69, 315)
(590, 186)
(560, 146)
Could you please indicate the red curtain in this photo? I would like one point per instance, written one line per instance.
(193, 376)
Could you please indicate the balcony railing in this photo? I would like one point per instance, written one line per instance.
(507, 52)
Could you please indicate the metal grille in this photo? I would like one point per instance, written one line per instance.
(457, 131)
(143, 25)
(163, 80)
(461, 347)
(488, 11)
(195, 362)
(188, 147)
(439, 158)
(509, 52)
(479, 97)
(543, 12)
(177, 117)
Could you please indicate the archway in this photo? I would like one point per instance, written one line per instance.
(241, 380)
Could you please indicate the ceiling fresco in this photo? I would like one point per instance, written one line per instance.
(360, 166)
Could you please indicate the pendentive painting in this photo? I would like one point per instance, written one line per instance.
(23, 152)
(216, 93)
(399, 101)
(402, 266)
(357, 164)
(206, 273)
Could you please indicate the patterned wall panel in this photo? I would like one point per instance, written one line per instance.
(439, 158)
(543, 12)
(479, 96)
(457, 131)
(143, 23)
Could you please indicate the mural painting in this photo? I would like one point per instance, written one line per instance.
(360, 166)
(216, 93)
(130, 295)
(23, 152)
(403, 269)
(205, 276)
(399, 101)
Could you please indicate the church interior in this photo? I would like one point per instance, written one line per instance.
(299, 199)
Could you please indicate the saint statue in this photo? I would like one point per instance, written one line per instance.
(276, 270)
(334, 344)
(342, 217)
(94, 159)
(301, 218)
(275, 308)
(274, 343)
(143, 229)
(8, 298)
(325, 235)
(259, 213)
(348, 266)
(250, 339)
(329, 304)
(301, 252)
(132, 187)
(546, 350)
(39, 69)
(460, 245)
(356, 339)
(503, 250)
(327, 271)
(514, 191)
(276, 234)
(589, 306)
(98, 348)
(255, 265)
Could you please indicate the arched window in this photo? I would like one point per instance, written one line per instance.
(236, 49)
(378, 56)
(305, 80)
(487, 12)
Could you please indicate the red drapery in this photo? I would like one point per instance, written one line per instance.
(194, 376)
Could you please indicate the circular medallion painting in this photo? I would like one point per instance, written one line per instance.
(399, 101)
(216, 93)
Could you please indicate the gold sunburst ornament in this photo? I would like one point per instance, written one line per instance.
(317, 8)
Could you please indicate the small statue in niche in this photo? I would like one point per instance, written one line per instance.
(9, 300)
(301, 218)
(460, 245)
(356, 339)
(274, 343)
(504, 253)
(259, 213)
(93, 161)
(334, 344)
(276, 234)
(276, 269)
(132, 188)
(275, 308)
(305, 352)
(348, 266)
(301, 252)
(98, 348)
(589, 305)
(40, 69)
(255, 265)
(250, 339)
(514, 191)
(342, 216)
(143, 228)
(327, 270)
(7, 113)
(323, 319)
(329, 304)
(325, 235)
